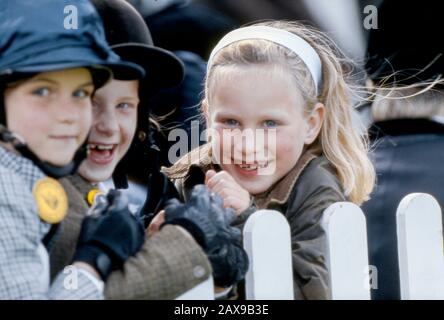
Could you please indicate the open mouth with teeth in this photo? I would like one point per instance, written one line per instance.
(251, 168)
(101, 153)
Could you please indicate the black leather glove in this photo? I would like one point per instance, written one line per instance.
(205, 218)
(110, 235)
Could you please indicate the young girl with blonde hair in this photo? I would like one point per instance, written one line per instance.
(289, 82)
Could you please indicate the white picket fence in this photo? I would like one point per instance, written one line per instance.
(420, 248)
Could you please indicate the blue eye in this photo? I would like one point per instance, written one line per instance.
(270, 124)
(81, 93)
(231, 122)
(41, 92)
(124, 106)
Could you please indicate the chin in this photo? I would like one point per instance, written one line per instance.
(256, 191)
(93, 174)
(54, 156)
(93, 177)
(254, 188)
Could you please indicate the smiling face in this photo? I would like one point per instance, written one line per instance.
(114, 125)
(51, 112)
(259, 100)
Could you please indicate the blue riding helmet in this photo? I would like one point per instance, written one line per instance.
(48, 35)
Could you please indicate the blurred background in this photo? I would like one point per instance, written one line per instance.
(198, 24)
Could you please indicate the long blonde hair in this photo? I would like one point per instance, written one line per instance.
(339, 140)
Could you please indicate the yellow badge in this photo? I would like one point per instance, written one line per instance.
(51, 199)
(91, 196)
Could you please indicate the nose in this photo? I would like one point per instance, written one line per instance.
(68, 111)
(245, 145)
(105, 122)
(251, 145)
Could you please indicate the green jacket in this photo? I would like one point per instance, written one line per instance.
(169, 263)
(302, 196)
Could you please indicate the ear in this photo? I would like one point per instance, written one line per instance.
(314, 123)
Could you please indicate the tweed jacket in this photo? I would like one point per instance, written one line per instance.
(169, 263)
(24, 260)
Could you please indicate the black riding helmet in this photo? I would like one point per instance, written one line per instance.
(35, 38)
(129, 36)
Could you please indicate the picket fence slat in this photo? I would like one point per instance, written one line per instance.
(268, 245)
(347, 252)
(203, 291)
(420, 247)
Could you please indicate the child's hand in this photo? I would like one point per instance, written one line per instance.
(155, 224)
(228, 189)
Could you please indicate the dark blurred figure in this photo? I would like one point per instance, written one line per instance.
(342, 20)
(184, 25)
(405, 54)
(179, 108)
(248, 11)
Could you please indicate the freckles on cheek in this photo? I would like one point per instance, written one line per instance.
(288, 150)
(285, 143)
(34, 126)
(25, 116)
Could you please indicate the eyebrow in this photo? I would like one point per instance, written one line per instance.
(132, 99)
(226, 113)
(86, 84)
(89, 83)
(265, 114)
(43, 79)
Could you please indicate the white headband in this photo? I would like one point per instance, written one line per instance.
(281, 37)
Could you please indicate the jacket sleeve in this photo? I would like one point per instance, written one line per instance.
(169, 264)
(241, 219)
(24, 261)
(310, 274)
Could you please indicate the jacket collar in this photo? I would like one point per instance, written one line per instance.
(199, 157)
(82, 185)
(282, 189)
(22, 166)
